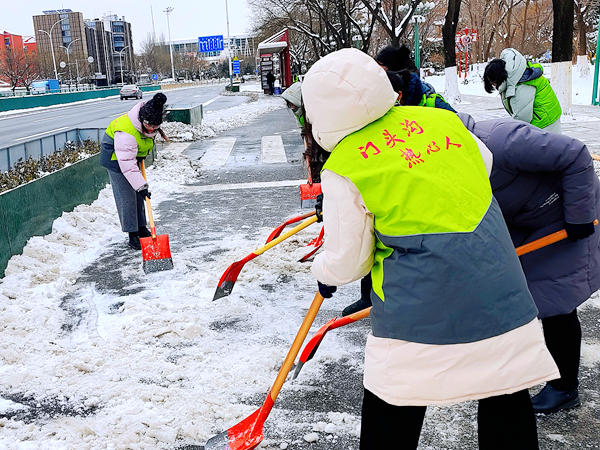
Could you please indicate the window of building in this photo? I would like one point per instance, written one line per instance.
(119, 38)
(65, 27)
(7, 42)
(118, 29)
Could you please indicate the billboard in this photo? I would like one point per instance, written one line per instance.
(210, 43)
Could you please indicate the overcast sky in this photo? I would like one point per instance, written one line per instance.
(189, 19)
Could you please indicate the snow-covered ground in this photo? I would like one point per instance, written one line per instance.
(158, 364)
(582, 87)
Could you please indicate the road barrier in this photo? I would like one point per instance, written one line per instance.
(34, 101)
(30, 209)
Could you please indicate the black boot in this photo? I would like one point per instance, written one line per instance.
(144, 232)
(134, 240)
(357, 306)
(551, 400)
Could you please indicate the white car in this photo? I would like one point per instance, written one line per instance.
(168, 81)
(130, 91)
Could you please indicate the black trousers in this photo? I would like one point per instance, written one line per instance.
(504, 422)
(563, 339)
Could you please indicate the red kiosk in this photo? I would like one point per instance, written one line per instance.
(274, 56)
(464, 39)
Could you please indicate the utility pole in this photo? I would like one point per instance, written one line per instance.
(153, 29)
(229, 46)
(168, 11)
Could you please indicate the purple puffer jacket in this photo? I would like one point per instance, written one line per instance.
(542, 180)
(126, 150)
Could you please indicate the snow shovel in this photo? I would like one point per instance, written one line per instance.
(230, 275)
(277, 231)
(247, 434)
(156, 252)
(309, 190)
(312, 345)
(595, 157)
(316, 243)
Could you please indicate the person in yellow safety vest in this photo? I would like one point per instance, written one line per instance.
(526, 93)
(411, 91)
(452, 318)
(127, 141)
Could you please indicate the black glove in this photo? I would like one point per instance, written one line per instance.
(325, 290)
(577, 231)
(319, 210)
(144, 193)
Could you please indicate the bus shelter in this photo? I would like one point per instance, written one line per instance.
(274, 56)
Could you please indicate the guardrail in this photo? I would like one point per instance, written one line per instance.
(45, 145)
(33, 101)
(30, 209)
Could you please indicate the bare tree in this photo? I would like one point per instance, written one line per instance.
(18, 68)
(389, 16)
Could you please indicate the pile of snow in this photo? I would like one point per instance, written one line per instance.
(215, 122)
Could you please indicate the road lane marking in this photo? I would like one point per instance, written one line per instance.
(272, 150)
(49, 118)
(211, 100)
(39, 134)
(234, 186)
(219, 153)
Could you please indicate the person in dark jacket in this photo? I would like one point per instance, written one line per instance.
(545, 182)
(271, 82)
(396, 59)
(127, 141)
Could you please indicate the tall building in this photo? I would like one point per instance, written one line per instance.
(100, 47)
(122, 46)
(11, 40)
(67, 30)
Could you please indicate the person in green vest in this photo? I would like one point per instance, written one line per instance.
(127, 141)
(412, 92)
(293, 100)
(526, 93)
(406, 197)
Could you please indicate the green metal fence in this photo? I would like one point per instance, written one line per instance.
(33, 101)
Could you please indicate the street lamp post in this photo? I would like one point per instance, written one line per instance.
(121, 61)
(69, 57)
(228, 45)
(168, 11)
(52, 45)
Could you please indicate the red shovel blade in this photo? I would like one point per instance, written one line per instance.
(317, 243)
(230, 276)
(156, 253)
(246, 435)
(311, 347)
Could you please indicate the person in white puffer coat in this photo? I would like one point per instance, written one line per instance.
(407, 198)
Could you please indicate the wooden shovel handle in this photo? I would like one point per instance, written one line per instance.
(595, 157)
(150, 217)
(295, 348)
(544, 241)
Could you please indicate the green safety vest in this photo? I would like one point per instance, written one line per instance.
(429, 100)
(123, 123)
(445, 270)
(546, 107)
(406, 160)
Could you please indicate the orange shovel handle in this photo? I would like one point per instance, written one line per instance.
(150, 217)
(544, 241)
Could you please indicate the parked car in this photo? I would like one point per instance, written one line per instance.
(168, 81)
(131, 91)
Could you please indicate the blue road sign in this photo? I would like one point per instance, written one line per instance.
(154, 76)
(236, 67)
(210, 43)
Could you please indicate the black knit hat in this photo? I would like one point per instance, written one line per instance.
(409, 84)
(152, 111)
(396, 59)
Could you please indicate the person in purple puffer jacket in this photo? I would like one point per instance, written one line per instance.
(127, 141)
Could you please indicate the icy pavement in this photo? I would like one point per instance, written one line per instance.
(97, 355)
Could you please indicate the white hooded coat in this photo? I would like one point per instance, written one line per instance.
(344, 92)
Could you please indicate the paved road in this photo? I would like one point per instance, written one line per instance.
(98, 114)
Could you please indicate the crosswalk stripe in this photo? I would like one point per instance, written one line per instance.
(218, 153)
(272, 150)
